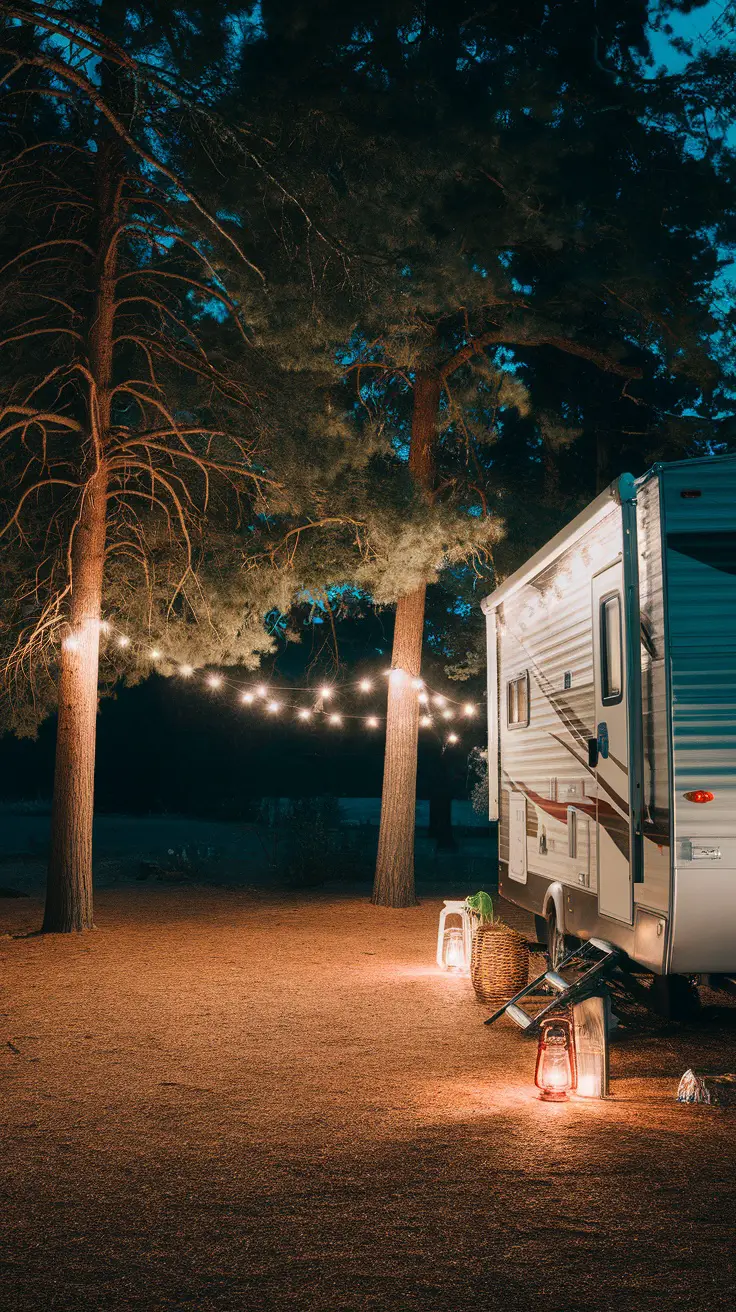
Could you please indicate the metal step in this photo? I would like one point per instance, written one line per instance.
(566, 990)
(522, 1018)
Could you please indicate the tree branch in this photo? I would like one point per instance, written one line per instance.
(499, 337)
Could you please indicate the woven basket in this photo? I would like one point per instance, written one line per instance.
(499, 966)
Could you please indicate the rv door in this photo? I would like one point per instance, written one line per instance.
(610, 745)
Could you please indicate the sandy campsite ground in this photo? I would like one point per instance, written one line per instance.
(220, 1100)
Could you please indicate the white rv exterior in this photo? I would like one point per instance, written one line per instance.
(612, 702)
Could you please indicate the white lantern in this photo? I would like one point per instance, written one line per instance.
(453, 949)
(455, 942)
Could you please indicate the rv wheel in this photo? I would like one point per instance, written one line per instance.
(558, 945)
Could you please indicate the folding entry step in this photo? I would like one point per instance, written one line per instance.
(599, 966)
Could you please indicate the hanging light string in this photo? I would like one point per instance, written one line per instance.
(438, 711)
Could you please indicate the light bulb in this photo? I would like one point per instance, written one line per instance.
(186, 671)
(262, 690)
(155, 654)
(335, 719)
(418, 684)
(247, 698)
(104, 626)
(325, 692)
(426, 722)
(452, 738)
(447, 715)
(304, 713)
(70, 642)
(423, 699)
(365, 685)
(371, 722)
(274, 707)
(214, 681)
(468, 709)
(439, 701)
(123, 640)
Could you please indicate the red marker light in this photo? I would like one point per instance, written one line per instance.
(700, 795)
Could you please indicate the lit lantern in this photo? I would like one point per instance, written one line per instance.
(453, 949)
(555, 1073)
(455, 942)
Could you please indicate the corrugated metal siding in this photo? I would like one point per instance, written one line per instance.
(701, 582)
(655, 891)
(503, 823)
(546, 629)
(701, 597)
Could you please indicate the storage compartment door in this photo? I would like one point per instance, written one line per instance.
(517, 837)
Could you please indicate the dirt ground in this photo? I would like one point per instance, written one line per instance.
(223, 1100)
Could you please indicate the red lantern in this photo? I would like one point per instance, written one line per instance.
(556, 1074)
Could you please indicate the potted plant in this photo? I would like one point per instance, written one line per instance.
(499, 965)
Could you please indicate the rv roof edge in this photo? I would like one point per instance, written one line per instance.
(577, 526)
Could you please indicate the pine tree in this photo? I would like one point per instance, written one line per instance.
(506, 218)
(127, 417)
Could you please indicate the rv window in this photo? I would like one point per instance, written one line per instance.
(611, 650)
(517, 701)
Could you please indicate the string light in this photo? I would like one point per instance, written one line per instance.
(325, 693)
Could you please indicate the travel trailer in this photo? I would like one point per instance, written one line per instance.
(612, 723)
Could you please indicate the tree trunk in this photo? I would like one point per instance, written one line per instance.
(69, 882)
(394, 880)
